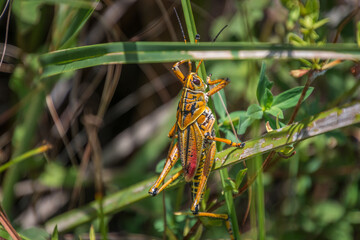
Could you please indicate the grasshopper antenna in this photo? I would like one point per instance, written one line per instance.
(181, 28)
(217, 35)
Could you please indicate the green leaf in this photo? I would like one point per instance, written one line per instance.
(27, 14)
(77, 23)
(351, 195)
(328, 212)
(244, 124)
(56, 175)
(267, 99)
(239, 177)
(235, 118)
(263, 84)
(289, 98)
(4, 234)
(231, 186)
(243, 117)
(199, 232)
(313, 7)
(295, 40)
(320, 23)
(219, 107)
(34, 233)
(276, 112)
(160, 166)
(92, 233)
(254, 111)
(55, 234)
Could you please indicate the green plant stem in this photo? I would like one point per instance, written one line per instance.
(259, 188)
(257, 209)
(228, 194)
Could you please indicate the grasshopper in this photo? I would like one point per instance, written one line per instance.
(193, 138)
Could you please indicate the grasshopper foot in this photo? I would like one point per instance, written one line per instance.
(153, 191)
(195, 209)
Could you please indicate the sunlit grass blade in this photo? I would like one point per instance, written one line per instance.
(154, 52)
(25, 156)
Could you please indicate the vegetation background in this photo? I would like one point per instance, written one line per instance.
(108, 124)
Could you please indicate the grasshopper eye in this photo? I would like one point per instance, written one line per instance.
(196, 81)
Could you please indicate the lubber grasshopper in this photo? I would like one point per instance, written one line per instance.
(194, 138)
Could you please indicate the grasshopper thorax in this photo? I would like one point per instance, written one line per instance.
(194, 82)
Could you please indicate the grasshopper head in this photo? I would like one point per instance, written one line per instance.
(194, 82)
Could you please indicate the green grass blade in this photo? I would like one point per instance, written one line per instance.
(66, 60)
(77, 23)
(24, 156)
(323, 122)
(189, 19)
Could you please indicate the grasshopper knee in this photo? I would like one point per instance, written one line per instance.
(153, 191)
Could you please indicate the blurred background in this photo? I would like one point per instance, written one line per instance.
(128, 110)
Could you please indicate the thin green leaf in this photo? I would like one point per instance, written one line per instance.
(263, 84)
(254, 111)
(231, 186)
(320, 23)
(313, 7)
(289, 98)
(239, 177)
(296, 40)
(92, 235)
(55, 234)
(276, 112)
(244, 124)
(267, 99)
(235, 119)
(76, 24)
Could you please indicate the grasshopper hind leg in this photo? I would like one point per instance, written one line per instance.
(172, 158)
(199, 184)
